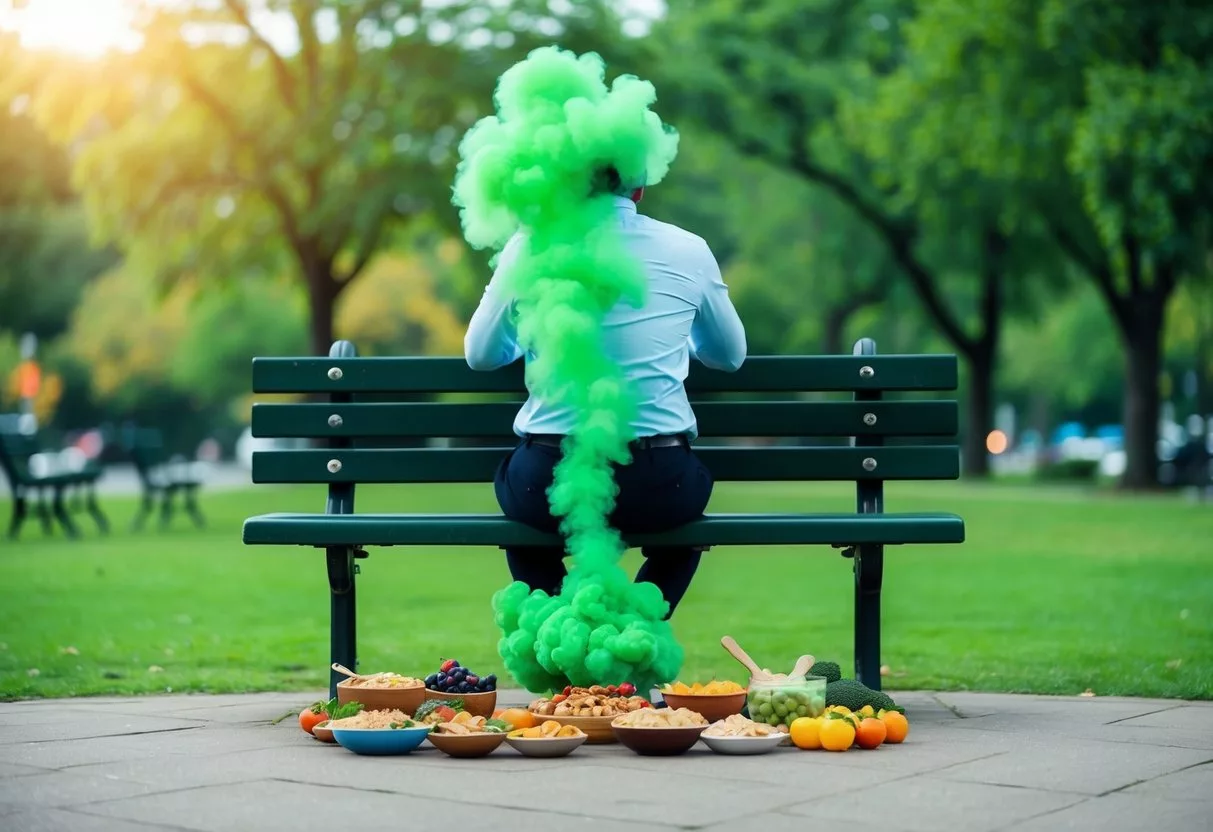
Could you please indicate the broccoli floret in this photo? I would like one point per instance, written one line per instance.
(851, 694)
(829, 670)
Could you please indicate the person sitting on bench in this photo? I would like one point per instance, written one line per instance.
(688, 314)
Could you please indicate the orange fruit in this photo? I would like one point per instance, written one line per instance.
(806, 733)
(896, 725)
(871, 733)
(518, 717)
(837, 733)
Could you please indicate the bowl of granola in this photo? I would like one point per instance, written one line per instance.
(379, 733)
(590, 709)
(383, 691)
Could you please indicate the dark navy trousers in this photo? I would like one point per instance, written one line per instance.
(660, 489)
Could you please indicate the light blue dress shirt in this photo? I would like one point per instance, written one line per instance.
(687, 315)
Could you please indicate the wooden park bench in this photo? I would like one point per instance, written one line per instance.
(347, 424)
(36, 482)
(161, 478)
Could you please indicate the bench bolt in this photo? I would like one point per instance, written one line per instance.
(335, 373)
(866, 372)
(335, 465)
(869, 419)
(335, 421)
(869, 464)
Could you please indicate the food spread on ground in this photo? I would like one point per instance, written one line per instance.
(660, 718)
(547, 730)
(463, 723)
(738, 726)
(821, 711)
(453, 677)
(383, 681)
(596, 700)
(393, 718)
(712, 688)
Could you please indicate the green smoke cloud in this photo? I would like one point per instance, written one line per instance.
(530, 169)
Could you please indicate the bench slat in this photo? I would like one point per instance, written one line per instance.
(770, 374)
(495, 530)
(494, 419)
(901, 462)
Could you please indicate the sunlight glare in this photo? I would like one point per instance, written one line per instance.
(84, 27)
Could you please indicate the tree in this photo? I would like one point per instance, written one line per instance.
(1098, 118)
(775, 81)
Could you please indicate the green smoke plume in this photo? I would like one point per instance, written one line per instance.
(530, 169)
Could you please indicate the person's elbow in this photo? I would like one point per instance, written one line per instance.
(479, 358)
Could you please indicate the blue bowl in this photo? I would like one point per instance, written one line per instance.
(381, 741)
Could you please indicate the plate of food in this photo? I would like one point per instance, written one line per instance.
(381, 691)
(740, 736)
(547, 739)
(590, 709)
(379, 733)
(468, 735)
(661, 732)
(713, 701)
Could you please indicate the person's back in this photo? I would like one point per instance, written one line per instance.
(686, 314)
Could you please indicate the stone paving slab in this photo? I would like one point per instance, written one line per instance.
(978, 762)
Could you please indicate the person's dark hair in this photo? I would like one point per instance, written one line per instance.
(607, 180)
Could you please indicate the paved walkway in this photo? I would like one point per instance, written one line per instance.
(972, 762)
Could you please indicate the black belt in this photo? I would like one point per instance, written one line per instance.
(673, 440)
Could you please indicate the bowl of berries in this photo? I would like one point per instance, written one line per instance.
(454, 681)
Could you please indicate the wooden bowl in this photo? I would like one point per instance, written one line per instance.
(382, 699)
(711, 707)
(324, 733)
(596, 728)
(476, 704)
(466, 745)
(659, 742)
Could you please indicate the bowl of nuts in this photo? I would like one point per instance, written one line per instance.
(590, 709)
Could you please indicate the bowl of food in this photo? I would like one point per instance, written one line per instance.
(323, 732)
(547, 739)
(590, 709)
(382, 691)
(661, 732)
(379, 733)
(468, 735)
(713, 701)
(783, 701)
(737, 735)
(454, 681)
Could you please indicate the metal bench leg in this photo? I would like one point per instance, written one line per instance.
(146, 506)
(60, 510)
(90, 502)
(191, 507)
(166, 506)
(44, 514)
(869, 571)
(20, 512)
(343, 625)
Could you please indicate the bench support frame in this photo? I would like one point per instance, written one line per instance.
(342, 569)
(869, 560)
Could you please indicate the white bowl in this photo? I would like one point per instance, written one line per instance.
(546, 747)
(743, 745)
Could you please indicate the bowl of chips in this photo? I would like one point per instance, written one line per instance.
(548, 739)
(662, 732)
(713, 701)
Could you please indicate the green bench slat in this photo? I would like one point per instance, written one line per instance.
(495, 419)
(901, 462)
(770, 374)
(495, 530)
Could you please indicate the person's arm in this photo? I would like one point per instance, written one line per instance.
(491, 340)
(717, 335)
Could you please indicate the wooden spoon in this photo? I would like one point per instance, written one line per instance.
(742, 656)
(802, 665)
(340, 668)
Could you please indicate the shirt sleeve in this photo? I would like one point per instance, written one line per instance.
(717, 335)
(491, 340)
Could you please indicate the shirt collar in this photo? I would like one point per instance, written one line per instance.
(624, 203)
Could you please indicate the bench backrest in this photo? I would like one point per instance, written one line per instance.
(350, 422)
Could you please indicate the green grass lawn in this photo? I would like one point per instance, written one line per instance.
(1056, 591)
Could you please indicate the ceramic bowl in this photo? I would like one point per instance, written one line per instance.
(596, 728)
(711, 707)
(659, 742)
(476, 704)
(467, 745)
(743, 745)
(382, 699)
(380, 741)
(547, 747)
(323, 732)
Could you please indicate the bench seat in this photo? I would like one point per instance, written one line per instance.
(496, 530)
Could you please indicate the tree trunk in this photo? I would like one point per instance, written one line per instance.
(1142, 337)
(322, 291)
(980, 412)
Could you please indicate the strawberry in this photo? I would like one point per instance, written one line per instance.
(448, 665)
(627, 689)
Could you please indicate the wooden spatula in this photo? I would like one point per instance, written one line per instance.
(742, 656)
